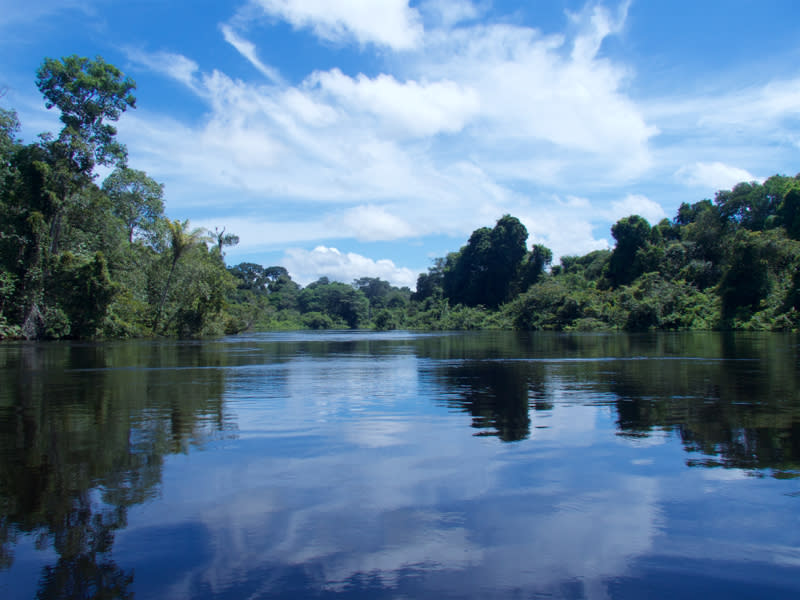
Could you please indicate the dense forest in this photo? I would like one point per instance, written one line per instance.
(83, 259)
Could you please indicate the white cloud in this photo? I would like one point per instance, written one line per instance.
(481, 120)
(713, 176)
(596, 23)
(389, 23)
(419, 109)
(447, 13)
(538, 103)
(636, 204)
(750, 126)
(248, 50)
(385, 157)
(257, 234)
(565, 230)
(373, 223)
(307, 266)
(175, 66)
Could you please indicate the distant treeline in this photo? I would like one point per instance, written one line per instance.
(82, 260)
(730, 263)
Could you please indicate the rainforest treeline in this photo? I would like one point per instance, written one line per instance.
(86, 259)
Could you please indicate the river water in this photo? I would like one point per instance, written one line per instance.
(402, 465)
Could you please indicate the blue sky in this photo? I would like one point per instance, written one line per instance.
(353, 138)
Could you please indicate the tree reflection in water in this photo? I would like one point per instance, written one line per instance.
(732, 399)
(83, 438)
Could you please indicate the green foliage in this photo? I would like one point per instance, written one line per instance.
(789, 212)
(89, 93)
(385, 320)
(9, 126)
(430, 284)
(341, 302)
(82, 292)
(628, 261)
(317, 320)
(181, 240)
(136, 199)
(483, 272)
(555, 303)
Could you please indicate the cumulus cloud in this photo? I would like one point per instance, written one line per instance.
(389, 23)
(432, 153)
(474, 121)
(307, 266)
(538, 102)
(419, 109)
(713, 176)
(637, 204)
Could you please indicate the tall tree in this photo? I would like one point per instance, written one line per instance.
(136, 199)
(181, 239)
(222, 239)
(482, 272)
(90, 95)
(631, 234)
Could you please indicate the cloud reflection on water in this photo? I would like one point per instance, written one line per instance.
(409, 500)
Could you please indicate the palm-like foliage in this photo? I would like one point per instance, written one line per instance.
(181, 240)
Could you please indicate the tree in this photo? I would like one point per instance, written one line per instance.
(136, 199)
(375, 289)
(251, 276)
(789, 212)
(631, 234)
(335, 299)
(222, 239)
(533, 266)
(180, 241)
(89, 94)
(482, 272)
(429, 285)
(9, 125)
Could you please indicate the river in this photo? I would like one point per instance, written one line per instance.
(354, 464)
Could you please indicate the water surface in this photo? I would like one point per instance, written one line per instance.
(402, 465)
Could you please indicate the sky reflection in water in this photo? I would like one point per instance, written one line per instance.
(401, 465)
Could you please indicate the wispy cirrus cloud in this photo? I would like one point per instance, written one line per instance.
(248, 50)
(175, 66)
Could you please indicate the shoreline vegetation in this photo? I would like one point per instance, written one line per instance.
(82, 260)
